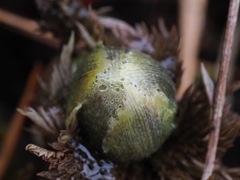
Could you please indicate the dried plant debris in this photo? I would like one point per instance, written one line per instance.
(71, 160)
(90, 27)
(181, 157)
(49, 115)
(47, 120)
(187, 147)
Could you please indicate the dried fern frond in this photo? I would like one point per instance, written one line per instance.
(48, 120)
(71, 160)
(50, 115)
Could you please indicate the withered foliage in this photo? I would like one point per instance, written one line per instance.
(70, 159)
(89, 26)
(183, 154)
(187, 147)
(181, 157)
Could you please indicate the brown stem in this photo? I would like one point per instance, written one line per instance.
(221, 88)
(28, 28)
(191, 20)
(11, 138)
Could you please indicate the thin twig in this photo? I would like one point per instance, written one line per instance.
(28, 28)
(221, 88)
(13, 134)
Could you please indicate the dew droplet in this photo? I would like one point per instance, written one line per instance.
(102, 87)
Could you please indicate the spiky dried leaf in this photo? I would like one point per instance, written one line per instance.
(47, 120)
